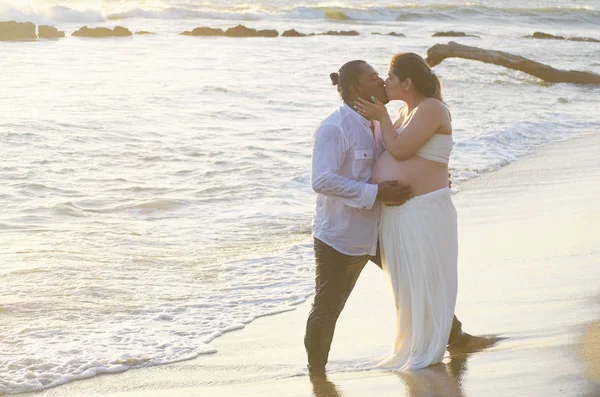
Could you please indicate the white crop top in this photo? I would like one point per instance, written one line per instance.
(437, 148)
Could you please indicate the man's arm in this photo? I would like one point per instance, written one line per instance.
(329, 152)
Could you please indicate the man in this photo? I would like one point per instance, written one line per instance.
(346, 218)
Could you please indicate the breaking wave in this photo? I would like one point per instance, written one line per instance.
(441, 12)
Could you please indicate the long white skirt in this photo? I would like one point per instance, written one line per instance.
(419, 248)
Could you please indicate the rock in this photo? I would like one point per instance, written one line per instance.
(547, 36)
(204, 32)
(452, 34)
(118, 31)
(292, 33)
(587, 39)
(12, 30)
(542, 35)
(242, 31)
(341, 33)
(238, 31)
(394, 34)
(49, 32)
(143, 32)
(121, 31)
(268, 33)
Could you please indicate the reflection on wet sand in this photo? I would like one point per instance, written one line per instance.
(322, 387)
(440, 380)
(432, 381)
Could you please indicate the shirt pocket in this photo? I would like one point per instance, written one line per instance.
(361, 165)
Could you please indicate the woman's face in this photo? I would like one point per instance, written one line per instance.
(393, 86)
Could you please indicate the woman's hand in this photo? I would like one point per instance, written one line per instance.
(375, 110)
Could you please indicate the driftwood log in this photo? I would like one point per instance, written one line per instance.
(439, 52)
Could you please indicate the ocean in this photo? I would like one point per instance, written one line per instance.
(155, 189)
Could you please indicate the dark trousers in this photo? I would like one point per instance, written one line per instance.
(336, 275)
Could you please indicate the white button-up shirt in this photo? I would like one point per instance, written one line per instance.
(346, 216)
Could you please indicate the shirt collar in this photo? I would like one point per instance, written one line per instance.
(353, 113)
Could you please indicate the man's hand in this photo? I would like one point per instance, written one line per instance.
(393, 192)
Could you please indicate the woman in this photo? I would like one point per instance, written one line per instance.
(418, 239)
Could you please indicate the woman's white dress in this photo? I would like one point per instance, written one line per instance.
(419, 248)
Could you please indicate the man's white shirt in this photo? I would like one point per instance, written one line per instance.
(346, 216)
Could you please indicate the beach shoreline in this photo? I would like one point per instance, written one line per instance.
(158, 194)
(528, 271)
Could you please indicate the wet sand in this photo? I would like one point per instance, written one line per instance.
(529, 271)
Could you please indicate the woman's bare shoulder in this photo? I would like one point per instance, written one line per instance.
(433, 103)
(436, 107)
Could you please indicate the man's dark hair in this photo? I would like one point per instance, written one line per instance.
(348, 74)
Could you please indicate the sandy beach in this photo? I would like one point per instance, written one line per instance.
(529, 271)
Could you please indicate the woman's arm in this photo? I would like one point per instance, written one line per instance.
(421, 127)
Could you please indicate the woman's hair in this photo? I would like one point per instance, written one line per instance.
(348, 74)
(410, 65)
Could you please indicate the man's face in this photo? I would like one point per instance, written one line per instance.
(370, 84)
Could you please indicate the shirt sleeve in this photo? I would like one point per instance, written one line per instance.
(329, 152)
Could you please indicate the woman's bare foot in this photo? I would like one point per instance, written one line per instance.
(471, 343)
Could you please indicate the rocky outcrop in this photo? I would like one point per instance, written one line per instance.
(542, 35)
(204, 32)
(340, 33)
(586, 39)
(439, 52)
(242, 31)
(49, 32)
(12, 30)
(118, 31)
(394, 34)
(292, 33)
(237, 31)
(143, 32)
(547, 36)
(452, 34)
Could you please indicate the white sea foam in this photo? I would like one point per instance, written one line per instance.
(108, 339)
(50, 15)
(499, 147)
(186, 13)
